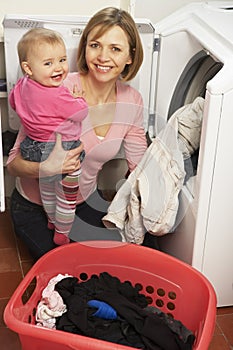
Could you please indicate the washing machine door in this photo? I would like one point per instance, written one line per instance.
(193, 81)
(183, 74)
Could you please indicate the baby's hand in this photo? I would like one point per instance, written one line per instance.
(77, 93)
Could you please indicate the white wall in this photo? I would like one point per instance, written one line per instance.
(152, 9)
(48, 7)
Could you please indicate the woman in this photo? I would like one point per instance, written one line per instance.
(110, 53)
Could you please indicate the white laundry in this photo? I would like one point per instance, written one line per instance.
(148, 199)
(51, 304)
(190, 119)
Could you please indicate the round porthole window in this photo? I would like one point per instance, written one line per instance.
(192, 82)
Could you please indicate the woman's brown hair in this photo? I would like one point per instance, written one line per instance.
(106, 19)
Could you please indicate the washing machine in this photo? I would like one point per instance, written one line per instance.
(196, 59)
(186, 55)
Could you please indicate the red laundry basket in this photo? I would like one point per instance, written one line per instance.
(169, 284)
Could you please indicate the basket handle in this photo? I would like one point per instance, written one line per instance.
(28, 286)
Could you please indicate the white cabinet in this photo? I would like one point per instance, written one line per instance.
(6, 181)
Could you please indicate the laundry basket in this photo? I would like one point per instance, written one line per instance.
(169, 284)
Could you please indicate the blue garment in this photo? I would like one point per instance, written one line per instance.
(103, 310)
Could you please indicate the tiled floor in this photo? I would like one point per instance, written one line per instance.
(15, 261)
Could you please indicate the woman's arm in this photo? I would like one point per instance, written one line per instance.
(23, 168)
(59, 161)
(135, 143)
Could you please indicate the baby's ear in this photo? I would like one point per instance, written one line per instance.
(26, 68)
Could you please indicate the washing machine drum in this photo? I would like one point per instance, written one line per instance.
(192, 82)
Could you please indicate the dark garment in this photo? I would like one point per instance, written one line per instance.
(135, 325)
(152, 328)
(175, 325)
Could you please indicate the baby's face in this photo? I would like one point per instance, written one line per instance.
(48, 64)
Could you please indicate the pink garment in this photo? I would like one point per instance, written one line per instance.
(127, 128)
(44, 110)
(51, 304)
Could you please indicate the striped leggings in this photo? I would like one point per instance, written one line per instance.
(59, 201)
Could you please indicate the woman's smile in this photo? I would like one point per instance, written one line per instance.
(103, 69)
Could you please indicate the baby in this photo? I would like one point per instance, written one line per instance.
(46, 107)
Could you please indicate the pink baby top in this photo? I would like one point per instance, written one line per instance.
(126, 130)
(43, 110)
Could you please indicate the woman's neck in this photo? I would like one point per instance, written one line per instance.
(97, 93)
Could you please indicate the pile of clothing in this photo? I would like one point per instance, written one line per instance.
(148, 200)
(105, 308)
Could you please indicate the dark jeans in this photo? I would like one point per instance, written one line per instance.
(30, 224)
(37, 151)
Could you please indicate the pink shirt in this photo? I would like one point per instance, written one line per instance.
(126, 128)
(44, 110)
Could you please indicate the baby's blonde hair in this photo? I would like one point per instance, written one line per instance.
(33, 38)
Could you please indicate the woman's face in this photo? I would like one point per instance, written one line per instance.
(107, 55)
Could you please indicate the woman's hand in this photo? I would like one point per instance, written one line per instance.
(61, 161)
